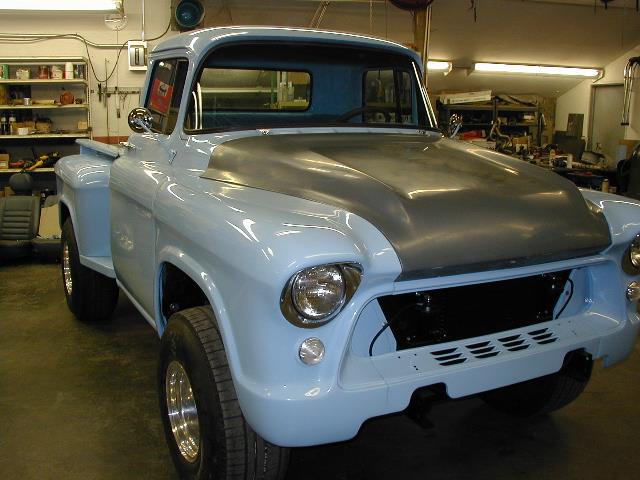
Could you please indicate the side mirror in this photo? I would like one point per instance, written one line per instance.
(455, 123)
(140, 120)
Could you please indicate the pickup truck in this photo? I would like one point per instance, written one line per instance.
(313, 252)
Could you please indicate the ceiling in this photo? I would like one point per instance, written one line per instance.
(553, 32)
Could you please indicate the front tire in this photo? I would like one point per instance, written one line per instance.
(91, 296)
(546, 394)
(205, 430)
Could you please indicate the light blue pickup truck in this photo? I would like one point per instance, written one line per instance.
(314, 253)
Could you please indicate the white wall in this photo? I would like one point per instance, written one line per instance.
(578, 99)
(92, 27)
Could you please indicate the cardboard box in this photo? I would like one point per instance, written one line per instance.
(8, 192)
(4, 161)
(49, 226)
(467, 97)
(629, 145)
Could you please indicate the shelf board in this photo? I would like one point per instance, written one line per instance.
(469, 107)
(516, 108)
(43, 107)
(46, 135)
(17, 170)
(42, 60)
(38, 81)
(519, 125)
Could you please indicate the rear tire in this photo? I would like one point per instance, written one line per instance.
(91, 296)
(545, 394)
(206, 432)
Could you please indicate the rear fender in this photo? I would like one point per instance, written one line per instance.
(83, 186)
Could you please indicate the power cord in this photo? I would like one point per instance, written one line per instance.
(387, 325)
(76, 36)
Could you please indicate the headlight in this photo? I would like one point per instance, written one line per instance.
(315, 295)
(634, 252)
(318, 292)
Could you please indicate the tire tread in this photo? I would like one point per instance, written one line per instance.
(94, 296)
(247, 455)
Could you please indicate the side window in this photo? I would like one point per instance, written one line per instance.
(389, 97)
(165, 91)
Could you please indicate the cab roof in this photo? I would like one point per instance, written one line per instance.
(203, 40)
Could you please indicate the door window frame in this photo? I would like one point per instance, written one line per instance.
(180, 60)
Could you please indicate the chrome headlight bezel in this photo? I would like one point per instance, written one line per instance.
(351, 275)
(631, 258)
(634, 252)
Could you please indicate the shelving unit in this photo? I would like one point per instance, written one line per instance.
(482, 117)
(45, 104)
(45, 135)
(37, 170)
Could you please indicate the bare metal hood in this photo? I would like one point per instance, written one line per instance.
(446, 207)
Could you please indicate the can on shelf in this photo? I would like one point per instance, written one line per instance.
(68, 70)
(4, 71)
(23, 73)
(43, 72)
(56, 72)
(79, 71)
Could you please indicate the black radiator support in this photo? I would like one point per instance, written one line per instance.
(436, 316)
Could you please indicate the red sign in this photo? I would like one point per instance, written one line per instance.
(161, 94)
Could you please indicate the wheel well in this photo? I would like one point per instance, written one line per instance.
(64, 214)
(178, 291)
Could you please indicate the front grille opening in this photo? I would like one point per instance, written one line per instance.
(431, 317)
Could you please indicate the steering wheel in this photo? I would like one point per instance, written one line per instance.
(356, 111)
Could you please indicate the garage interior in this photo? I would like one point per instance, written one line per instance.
(550, 82)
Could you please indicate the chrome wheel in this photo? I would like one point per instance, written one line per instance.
(66, 269)
(182, 411)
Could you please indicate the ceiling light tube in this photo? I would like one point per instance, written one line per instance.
(510, 68)
(63, 5)
(439, 66)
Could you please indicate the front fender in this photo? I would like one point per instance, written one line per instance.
(622, 214)
(241, 246)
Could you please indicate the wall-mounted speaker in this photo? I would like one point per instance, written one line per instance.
(188, 14)
(413, 5)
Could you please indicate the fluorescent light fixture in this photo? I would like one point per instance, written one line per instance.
(536, 70)
(63, 5)
(438, 66)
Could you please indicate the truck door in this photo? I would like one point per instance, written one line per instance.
(136, 177)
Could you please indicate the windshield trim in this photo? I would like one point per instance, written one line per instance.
(267, 127)
(205, 60)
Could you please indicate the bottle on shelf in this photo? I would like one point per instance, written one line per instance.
(4, 126)
(12, 124)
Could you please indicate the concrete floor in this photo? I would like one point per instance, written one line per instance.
(79, 402)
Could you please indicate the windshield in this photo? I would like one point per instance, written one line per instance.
(293, 85)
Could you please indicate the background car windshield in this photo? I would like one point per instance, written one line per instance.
(305, 85)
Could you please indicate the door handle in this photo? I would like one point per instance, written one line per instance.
(128, 145)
